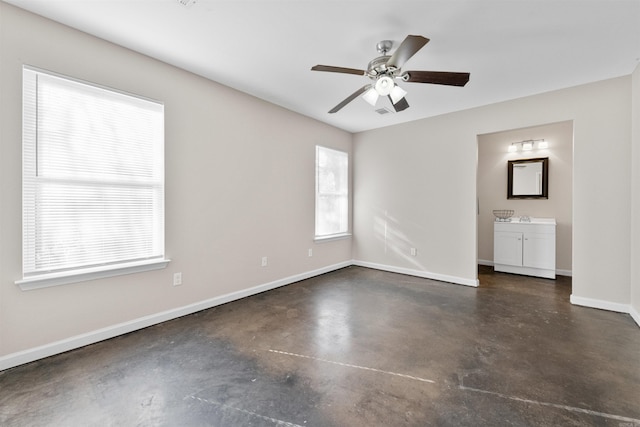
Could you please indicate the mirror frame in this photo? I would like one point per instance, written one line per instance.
(545, 179)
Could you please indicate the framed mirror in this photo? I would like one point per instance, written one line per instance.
(528, 178)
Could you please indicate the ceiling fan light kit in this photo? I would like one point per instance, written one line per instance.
(384, 69)
(371, 96)
(383, 85)
(397, 93)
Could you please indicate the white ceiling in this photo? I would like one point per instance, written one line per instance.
(512, 48)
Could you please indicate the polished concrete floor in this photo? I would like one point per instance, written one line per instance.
(356, 347)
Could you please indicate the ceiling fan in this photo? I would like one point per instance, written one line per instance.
(384, 69)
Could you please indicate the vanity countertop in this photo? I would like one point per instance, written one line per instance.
(532, 220)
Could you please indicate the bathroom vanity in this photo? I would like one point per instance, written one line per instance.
(525, 247)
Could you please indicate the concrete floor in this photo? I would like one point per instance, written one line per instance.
(356, 347)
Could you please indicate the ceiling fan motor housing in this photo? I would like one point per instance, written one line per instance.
(378, 67)
(384, 46)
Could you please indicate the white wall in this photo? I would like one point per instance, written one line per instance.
(239, 186)
(419, 180)
(493, 156)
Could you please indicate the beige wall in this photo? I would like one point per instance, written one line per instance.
(493, 156)
(420, 180)
(239, 186)
(635, 198)
(414, 187)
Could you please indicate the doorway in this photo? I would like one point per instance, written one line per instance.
(491, 181)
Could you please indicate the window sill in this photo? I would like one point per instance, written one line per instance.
(341, 236)
(65, 278)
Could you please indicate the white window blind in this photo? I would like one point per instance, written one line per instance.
(332, 192)
(93, 176)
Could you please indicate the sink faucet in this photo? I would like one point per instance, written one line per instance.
(525, 218)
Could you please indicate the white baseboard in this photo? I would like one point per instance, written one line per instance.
(602, 305)
(559, 272)
(635, 315)
(32, 354)
(606, 305)
(418, 273)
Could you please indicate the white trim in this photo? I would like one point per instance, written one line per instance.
(527, 271)
(418, 273)
(331, 237)
(567, 273)
(559, 272)
(67, 277)
(36, 353)
(601, 304)
(634, 315)
(32, 354)
(88, 83)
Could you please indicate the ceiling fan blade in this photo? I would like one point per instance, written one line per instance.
(400, 105)
(350, 98)
(409, 46)
(437, 77)
(332, 69)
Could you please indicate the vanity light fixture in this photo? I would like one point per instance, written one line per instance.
(528, 145)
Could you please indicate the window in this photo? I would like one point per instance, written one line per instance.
(93, 181)
(332, 192)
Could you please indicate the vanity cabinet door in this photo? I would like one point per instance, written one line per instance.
(539, 250)
(507, 248)
(525, 248)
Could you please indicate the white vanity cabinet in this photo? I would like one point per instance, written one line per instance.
(525, 247)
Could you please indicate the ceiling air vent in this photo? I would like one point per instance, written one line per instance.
(187, 3)
(383, 110)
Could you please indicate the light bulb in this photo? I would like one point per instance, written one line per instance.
(513, 148)
(543, 144)
(384, 85)
(527, 145)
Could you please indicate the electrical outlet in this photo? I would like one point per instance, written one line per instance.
(264, 261)
(414, 252)
(310, 252)
(177, 279)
